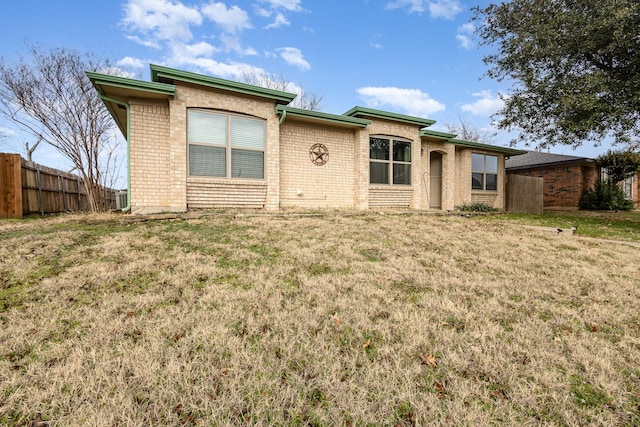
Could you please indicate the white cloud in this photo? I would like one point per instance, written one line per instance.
(7, 132)
(411, 101)
(464, 40)
(232, 20)
(160, 19)
(130, 62)
(414, 5)
(279, 21)
(293, 56)
(486, 105)
(464, 35)
(446, 9)
(290, 5)
(233, 43)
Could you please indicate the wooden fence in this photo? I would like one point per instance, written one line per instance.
(524, 194)
(29, 188)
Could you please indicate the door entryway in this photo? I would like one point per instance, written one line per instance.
(435, 180)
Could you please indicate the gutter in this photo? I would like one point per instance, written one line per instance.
(126, 106)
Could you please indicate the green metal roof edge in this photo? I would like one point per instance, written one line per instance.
(380, 114)
(327, 117)
(487, 147)
(158, 71)
(437, 134)
(127, 83)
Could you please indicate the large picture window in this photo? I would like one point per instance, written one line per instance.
(484, 172)
(225, 145)
(389, 161)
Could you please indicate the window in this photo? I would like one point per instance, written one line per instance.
(225, 145)
(484, 172)
(626, 184)
(389, 161)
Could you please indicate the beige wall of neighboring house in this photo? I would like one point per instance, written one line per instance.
(154, 116)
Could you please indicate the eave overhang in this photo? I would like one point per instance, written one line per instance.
(363, 112)
(162, 74)
(325, 118)
(122, 89)
(427, 133)
(487, 147)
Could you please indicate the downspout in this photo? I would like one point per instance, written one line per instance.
(282, 119)
(126, 106)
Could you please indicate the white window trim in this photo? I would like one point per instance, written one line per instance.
(228, 147)
(391, 162)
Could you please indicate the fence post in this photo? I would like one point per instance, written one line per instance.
(64, 197)
(39, 183)
(79, 206)
(10, 186)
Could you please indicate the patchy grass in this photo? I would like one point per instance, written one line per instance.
(618, 225)
(323, 320)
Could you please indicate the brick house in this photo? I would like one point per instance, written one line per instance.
(566, 178)
(200, 142)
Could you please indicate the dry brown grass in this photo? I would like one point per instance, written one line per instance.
(330, 320)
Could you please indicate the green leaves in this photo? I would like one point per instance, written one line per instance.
(575, 65)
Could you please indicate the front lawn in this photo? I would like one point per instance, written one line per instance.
(323, 320)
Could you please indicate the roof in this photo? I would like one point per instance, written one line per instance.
(533, 159)
(309, 115)
(116, 91)
(436, 134)
(488, 147)
(451, 138)
(379, 114)
(169, 75)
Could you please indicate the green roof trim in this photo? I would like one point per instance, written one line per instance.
(488, 147)
(98, 79)
(159, 72)
(379, 114)
(326, 117)
(436, 134)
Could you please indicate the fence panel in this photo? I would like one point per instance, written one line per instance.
(524, 194)
(28, 188)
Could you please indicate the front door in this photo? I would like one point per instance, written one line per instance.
(435, 180)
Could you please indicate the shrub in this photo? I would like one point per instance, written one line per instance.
(605, 196)
(476, 207)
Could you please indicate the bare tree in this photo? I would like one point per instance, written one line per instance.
(306, 99)
(466, 131)
(29, 149)
(52, 99)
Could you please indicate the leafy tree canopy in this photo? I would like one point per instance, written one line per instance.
(575, 65)
(620, 165)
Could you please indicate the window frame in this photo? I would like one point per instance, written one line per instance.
(484, 172)
(390, 162)
(228, 146)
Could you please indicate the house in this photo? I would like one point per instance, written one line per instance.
(566, 178)
(200, 142)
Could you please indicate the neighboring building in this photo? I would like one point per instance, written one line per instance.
(566, 178)
(199, 142)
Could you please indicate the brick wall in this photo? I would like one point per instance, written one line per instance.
(464, 193)
(448, 153)
(563, 185)
(204, 192)
(403, 131)
(150, 157)
(160, 181)
(304, 184)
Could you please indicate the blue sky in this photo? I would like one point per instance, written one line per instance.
(416, 57)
